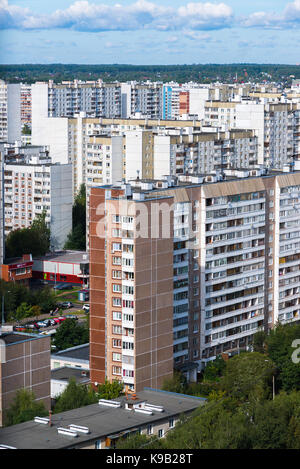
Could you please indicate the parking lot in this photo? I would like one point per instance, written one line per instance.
(46, 322)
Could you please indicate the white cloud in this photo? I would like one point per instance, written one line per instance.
(289, 18)
(85, 16)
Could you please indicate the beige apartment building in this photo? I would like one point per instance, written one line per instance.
(233, 245)
(131, 286)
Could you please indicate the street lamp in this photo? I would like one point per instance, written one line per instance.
(3, 308)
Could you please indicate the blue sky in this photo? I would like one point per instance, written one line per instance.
(149, 31)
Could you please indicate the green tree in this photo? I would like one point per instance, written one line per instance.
(177, 383)
(214, 369)
(109, 390)
(77, 237)
(137, 440)
(23, 311)
(36, 311)
(248, 375)
(75, 396)
(34, 240)
(26, 130)
(216, 425)
(70, 334)
(280, 350)
(24, 407)
(259, 342)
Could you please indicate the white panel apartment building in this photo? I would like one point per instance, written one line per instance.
(10, 112)
(275, 125)
(65, 99)
(36, 185)
(144, 98)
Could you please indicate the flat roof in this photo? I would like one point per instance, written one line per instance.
(75, 257)
(14, 337)
(101, 421)
(66, 372)
(80, 352)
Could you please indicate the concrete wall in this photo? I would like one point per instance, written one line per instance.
(61, 204)
(14, 113)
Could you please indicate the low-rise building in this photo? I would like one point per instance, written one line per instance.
(63, 266)
(60, 378)
(18, 269)
(24, 364)
(74, 357)
(152, 412)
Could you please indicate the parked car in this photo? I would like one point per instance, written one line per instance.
(31, 325)
(56, 321)
(41, 324)
(86, 307)
(67, 305)
(46, 322)
(62, 318)
(52, 322)
(19, 328)
(72, 316)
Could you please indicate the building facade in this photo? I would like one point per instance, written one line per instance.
(24, 364)
(235, 261)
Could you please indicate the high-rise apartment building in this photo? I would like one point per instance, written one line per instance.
(96, 99)
(275, 125)
(131, 282)
(10, 112)
(33, 184)
(234, 249)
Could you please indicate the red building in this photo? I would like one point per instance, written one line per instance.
(17, 270)
(63, 266)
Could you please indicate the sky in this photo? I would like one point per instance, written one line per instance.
(149, 31)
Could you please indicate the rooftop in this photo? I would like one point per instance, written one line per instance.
(80, 352)
(65, 373)
(15, 337)
(75, 257)
(100, 420)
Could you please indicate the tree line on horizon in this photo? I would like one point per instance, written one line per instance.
(204, 73)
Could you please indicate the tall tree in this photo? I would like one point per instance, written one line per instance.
(77, 237)
(34, 240)
(24, 407)
(70, 334)
(74, 396)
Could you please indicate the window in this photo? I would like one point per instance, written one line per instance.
(116, 247)
(117, 357)
(116, 288)
(160, 433)
(117, 316)
(116, 302)
(149, 429)
(171, 423)
(117, 329)
(117, 274)
(117, 370)
(128, 346)
(116, 233)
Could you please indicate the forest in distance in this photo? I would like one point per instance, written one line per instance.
(201, 73)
